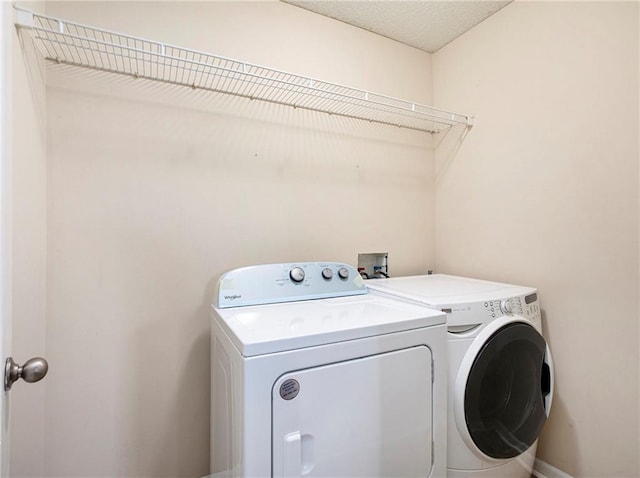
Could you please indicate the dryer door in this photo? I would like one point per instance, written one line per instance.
(506, 391)
(360, 418)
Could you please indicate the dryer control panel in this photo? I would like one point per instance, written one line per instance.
(288, 282)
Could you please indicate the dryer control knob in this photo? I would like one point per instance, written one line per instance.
(505, 307)
(343, 273)
(327, 273)
(296, 274)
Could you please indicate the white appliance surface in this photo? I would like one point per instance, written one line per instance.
(290, 282)
(313, 376)
(478, 310)
(443, 289)
(257, 330)
(353, 413)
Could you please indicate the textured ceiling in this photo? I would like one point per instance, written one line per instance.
(424, 24)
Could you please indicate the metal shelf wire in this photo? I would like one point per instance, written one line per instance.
(89, 47)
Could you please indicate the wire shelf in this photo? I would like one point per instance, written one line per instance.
(89, 47)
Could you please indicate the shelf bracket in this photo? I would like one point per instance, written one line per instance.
(23, 18)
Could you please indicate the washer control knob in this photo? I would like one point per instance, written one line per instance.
(343, 272)
(327, 273)
(505, 307)
(296, 274)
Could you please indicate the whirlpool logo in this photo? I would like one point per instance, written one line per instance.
(233, 297)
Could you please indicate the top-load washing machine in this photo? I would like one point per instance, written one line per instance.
(313, 376)
(500, 370)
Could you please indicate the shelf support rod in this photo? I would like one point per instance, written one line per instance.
(470, 121)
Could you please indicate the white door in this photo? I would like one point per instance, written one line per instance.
(6, 23)
(34, 369)
(360, 418)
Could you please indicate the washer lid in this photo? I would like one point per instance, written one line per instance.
(441, 289)
(263, 329)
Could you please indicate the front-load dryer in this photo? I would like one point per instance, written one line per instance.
(313, 376)
(500, 370)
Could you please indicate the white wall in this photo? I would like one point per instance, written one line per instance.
(544, 191)
(154, 191)
(29, 252)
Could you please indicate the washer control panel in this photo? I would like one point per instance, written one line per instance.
(526, 306)
(273, 283)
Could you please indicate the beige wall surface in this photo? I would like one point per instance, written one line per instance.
(155, 190)
(544, 191)
(29, 252)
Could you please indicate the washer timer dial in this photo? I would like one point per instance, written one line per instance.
(506, 307)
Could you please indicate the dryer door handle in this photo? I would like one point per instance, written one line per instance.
(292, 455)
(298, 455)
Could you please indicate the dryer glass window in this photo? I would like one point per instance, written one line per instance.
(504, 396)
